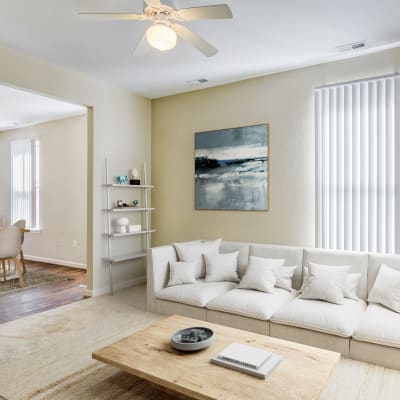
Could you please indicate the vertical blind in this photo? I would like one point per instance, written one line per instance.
(25, 181)
(357, 165)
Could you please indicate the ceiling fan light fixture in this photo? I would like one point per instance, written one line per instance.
(161, 37)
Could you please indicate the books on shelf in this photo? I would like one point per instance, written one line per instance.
(250, 360)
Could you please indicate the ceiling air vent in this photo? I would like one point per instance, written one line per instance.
(351, 46)
(8, 125)
(200, 81)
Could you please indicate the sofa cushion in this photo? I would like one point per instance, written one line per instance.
(195, 294)
(335, 319)
(251, 303)
(379, 325)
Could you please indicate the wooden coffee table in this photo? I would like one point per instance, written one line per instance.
(302, 374)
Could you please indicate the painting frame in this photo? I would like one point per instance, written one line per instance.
(267, 168)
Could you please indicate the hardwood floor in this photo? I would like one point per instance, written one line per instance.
(35, 300)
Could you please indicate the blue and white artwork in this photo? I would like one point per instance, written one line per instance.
(231, 169)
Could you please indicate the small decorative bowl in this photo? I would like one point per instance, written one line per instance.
(192, 339)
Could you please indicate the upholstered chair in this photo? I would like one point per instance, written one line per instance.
(10, 248)
(21, 226)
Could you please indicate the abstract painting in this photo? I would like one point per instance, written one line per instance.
(231, 169)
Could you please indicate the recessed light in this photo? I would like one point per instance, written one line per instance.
(351, 46)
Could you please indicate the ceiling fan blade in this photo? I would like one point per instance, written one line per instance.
(195, 40)
(219, 11)
(113, 16)
(153, 3)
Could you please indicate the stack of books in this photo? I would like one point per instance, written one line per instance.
(250, 360)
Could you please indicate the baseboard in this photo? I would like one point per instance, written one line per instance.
(54, 261)
(117, 286)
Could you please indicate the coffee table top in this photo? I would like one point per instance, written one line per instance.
(302, 374)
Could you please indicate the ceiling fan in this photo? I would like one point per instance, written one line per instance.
(165, 28)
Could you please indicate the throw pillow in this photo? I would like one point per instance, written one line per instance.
(282, 273)
(351, 286)
(222, 267)
(181, 273)
(284, 277)
(386, 289)
(325, 284)
(258, 277)
(193, 251)
(351, 280)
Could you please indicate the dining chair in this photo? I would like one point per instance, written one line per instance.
(10, 247)
(21, 226)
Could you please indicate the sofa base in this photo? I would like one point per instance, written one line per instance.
(386, 356)
(238, 321)
(311, 338)
(170, 308)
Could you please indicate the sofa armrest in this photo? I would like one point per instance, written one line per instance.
(157, 271)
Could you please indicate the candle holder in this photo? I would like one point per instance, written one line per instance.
(135, 180)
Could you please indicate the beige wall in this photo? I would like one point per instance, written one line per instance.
(285, 101)
(63, 162)
(120, 129)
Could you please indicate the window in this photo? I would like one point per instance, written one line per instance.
(25, 183)
(357, 165)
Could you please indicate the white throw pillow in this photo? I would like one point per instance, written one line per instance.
(258, 277)
(352, 280)
(222, 267)
(284, 277)
(386, 289)
(351, 286)
(193, 251)
(325, 284)
(181, 273)
(282, 273)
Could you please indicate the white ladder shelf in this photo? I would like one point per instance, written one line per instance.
(110, 209)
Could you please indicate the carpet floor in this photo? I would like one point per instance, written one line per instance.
(48, 356)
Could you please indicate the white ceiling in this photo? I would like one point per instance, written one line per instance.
(265, 36)
(19, 108)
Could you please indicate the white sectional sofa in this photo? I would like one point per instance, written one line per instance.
(366, 332)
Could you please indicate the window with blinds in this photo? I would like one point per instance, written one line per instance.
(357, 165)
(25, 184)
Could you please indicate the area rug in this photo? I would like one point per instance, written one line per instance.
(100, 382)
(48, 356)
(31, 279)
(103, 382)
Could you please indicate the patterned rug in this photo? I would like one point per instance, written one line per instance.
(31, 279)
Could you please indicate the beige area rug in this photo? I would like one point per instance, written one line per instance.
(48, 356)
(31, 279)
(351, 380)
